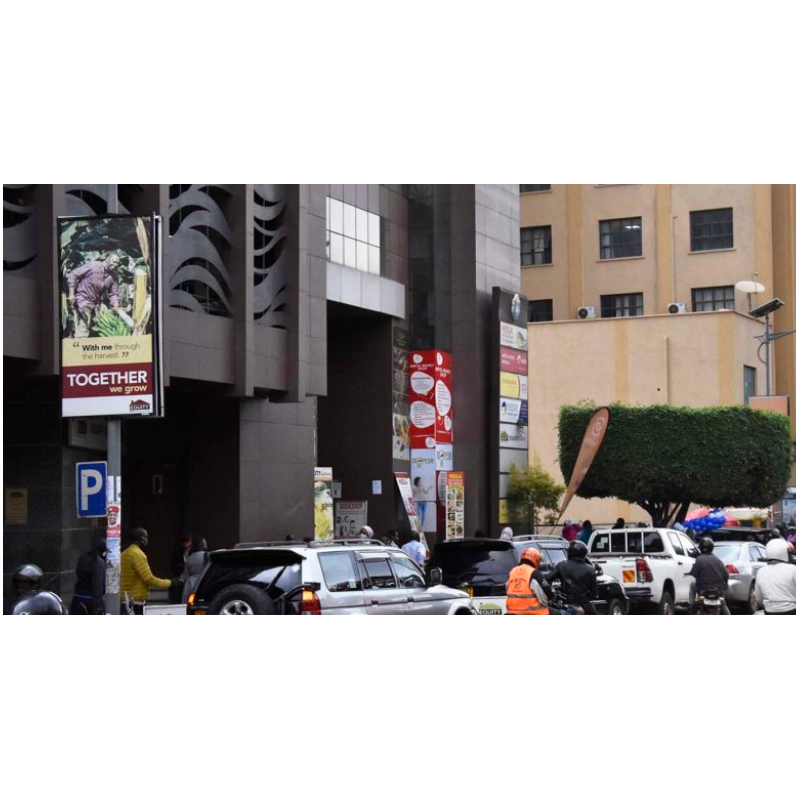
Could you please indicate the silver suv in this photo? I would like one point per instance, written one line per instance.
(345, 576)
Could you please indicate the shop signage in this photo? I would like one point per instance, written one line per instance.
(514, 386)
(515, 361)
(109, 316)
(16, 507)
(513, 336)
(514, 436)
(351, 516)
(514, 412)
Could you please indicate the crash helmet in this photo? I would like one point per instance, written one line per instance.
(577, 550)
(27, 578)
(533, 555)
(706, 545)
(777, 550)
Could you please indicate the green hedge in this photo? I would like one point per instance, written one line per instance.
(717, 456)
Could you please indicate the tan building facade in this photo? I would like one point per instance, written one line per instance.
(625, 253)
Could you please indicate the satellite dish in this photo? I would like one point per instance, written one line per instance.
(750, 287)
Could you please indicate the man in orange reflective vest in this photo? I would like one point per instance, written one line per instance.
(525, 588)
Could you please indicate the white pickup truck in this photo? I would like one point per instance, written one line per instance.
(650, 563)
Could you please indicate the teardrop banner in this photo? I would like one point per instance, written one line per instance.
(592, 439)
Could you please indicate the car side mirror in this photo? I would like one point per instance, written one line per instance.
(435, 577)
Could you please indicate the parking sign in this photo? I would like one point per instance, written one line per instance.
(90, 487)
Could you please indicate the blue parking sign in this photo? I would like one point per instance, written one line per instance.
(90, 487)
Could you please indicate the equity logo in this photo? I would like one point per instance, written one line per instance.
(139, 407)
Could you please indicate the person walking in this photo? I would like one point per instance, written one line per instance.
(136, 579)
(415, 549)
(776, 582)
(586, 532)
(90, 572)
(195, 564)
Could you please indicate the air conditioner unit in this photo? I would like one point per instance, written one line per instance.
(676, 308)
(587, 312)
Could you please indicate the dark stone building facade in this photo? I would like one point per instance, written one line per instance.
(282, 303)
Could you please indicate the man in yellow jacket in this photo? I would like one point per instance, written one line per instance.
(136, 579)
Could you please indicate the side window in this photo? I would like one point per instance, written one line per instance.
(755, 553)
(618, 542)
(762, 551)
(691, 547)
(676, 543)
(652, 542)
(379, 574)
(408, 575)
(339, 572)
(634, 541)
(600, 543)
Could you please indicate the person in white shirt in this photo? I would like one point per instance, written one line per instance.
(776, 584)
(415, 549)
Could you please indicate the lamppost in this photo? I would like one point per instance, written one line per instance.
(766, 340)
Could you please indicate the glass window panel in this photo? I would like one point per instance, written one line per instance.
(375, 260)
(349, 252)
(362, 226)
(336, 216)
(336, 248)
(362, 256)
(349, 221)
(375, 230)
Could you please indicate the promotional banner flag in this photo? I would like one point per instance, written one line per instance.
(404, 485)
(592, 439)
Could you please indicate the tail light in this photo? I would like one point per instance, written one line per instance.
(190, 600)
(731, 569)
(643, 573)
(310, 603)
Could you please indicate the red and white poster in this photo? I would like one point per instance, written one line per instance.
(514, 361)
(431, 398)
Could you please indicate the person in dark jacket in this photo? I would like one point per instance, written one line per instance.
(709, 573)
(90, 586)
(578, 577)
(195, 564)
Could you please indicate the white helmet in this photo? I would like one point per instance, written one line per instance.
(777, 550)
(366, 532)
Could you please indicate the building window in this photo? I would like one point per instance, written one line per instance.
(534, 187)
(712, 230)
(713, 298)
(750, 389)
(540, 311)
(353, 236)
(622, 305)
(621, 238)
(536, 246)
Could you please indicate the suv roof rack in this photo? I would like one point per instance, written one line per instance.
(527, 537)
(314, 544)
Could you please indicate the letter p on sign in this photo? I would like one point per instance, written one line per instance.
(90, 484)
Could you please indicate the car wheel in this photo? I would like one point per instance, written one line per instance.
(616, 607)
(667, 604)
(751, 606)
(241, 599)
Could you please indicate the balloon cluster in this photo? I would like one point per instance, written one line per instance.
(710, 522)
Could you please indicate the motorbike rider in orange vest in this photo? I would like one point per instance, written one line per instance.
(526, 588)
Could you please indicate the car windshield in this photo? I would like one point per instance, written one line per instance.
(728, 552)
(473, 563)
(557, 554)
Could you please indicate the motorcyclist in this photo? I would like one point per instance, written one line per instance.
(710, 574)
(29, 597)
(527, 591)
(578, 577)
(776, 584)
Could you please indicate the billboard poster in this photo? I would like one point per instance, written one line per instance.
(351, 516)
(423, 487)
(514, 436)
(109, 280)
(514, 412)
(514, 386)
(323, 503)
(401, 424)
(454, 506)
(430, 393)
(515, 361)
(513, 336)
(404, 486)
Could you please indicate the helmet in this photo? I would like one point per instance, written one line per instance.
(533, 555)
(706, 545)
(27, 578)
(777, 550)
(366, 532)
(577, 550)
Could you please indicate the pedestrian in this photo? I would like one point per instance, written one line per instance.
(570, 530)
(586, 532)
(392, 539)
(620, 523)
(136, 579)
(90, 571)
(177, 564)
(776, 583)
(87, 287)
(195, 564)
(414, 548)
(366, 532)
(507, 534)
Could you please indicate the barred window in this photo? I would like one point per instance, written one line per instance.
(534, 187)
(540, 311)
(622, 305)
(621, 238)
(712, 230)
(536, 246)
(713, 298)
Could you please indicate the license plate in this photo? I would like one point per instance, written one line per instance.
(713, 602)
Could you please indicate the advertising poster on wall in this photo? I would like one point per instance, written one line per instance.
(515, 386)
(109, 281)
(431, 397)
(513, 336)
(401, 444)
(514, 361)
(351, 516)
(454, 506)
(514, 436)
(514, 412)
(404, 486)
(323, 503)
(423, 487)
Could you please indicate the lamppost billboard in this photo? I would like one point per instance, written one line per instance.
(109, 291)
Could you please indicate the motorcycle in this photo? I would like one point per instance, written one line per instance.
(709, 603)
